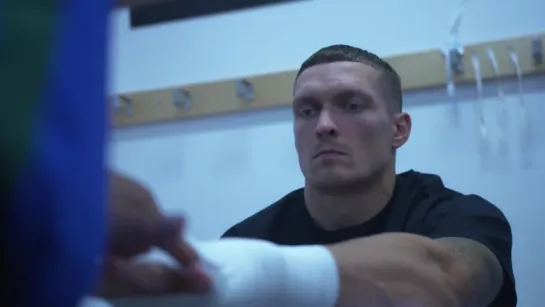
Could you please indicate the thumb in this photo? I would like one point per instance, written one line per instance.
(171, 239)
(167, 230)
(134, 235)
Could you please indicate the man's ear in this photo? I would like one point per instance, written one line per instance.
(402, 129)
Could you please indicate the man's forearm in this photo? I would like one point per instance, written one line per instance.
(387, 270)
(408, 269)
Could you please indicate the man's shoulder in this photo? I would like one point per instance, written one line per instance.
(418, 192)
(425, 188)
(261, 224)
(427, 193)
(423, 185)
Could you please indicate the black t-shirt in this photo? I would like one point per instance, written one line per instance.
(421, 205)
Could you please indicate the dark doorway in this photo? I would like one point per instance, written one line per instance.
(183, 9)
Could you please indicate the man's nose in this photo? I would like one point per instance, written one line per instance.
(326, 126)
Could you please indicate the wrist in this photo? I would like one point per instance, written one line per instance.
(312, 277)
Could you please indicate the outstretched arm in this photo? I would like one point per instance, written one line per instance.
(463, 260)
(387, 270)
(483, 272)
(413, 270)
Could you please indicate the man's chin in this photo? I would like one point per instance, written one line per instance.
(334, 183)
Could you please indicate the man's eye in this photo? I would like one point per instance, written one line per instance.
(354, 107)
(306, 112)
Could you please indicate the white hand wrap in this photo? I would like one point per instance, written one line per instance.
(254, 273)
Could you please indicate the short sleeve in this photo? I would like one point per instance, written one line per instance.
(473, 217)
(231, 233)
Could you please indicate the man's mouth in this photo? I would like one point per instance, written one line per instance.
(329, 153)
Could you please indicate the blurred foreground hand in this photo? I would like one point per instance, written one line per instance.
(136, 225)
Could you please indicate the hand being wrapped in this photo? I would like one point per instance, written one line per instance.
(136, 226)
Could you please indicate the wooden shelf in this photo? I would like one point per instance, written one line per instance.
(417, 70)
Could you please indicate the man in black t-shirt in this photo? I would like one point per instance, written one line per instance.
(357, 234)
(419, 241)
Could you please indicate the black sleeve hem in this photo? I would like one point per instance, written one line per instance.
(231, 233)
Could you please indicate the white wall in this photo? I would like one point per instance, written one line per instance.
(220, 170)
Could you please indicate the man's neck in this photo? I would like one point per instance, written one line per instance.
(333, 212)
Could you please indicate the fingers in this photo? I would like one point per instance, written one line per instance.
(128, 280)
(190, 280)
(167, 230)
(172, 241)
(118, 281)
(133, 235)
(182, 252)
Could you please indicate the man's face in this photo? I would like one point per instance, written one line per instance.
(344, 133)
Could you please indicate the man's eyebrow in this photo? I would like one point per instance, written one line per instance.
(348, 92)
(304, 98)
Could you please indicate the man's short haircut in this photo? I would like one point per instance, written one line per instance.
(346, 53)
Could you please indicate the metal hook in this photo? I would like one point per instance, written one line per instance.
(245, 90)
(455, 51)
(125, 104)
(453, 65)
(453, 54)
(456, 60)
(181, 98)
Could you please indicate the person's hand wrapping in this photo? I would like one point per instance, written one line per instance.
(136, 225)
